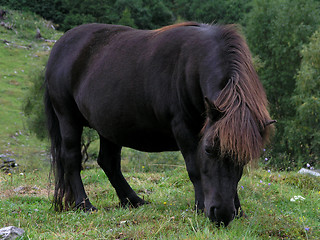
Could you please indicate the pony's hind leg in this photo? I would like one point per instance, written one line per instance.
(109, 160)
(74, 192)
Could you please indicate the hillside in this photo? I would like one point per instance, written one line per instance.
(21, 56)
(268, 197)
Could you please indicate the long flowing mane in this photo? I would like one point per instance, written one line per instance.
(173, 26)
(243, 129)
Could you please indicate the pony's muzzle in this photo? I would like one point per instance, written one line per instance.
(222, 216)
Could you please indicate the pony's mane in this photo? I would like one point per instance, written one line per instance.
(173, 26)
(243, 129)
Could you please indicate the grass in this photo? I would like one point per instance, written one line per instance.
(265, 198)
(26, 192)
(16, 66)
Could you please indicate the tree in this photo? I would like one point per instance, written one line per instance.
(304, 130)
(218, 11)
(276, 31)
(48, 9)
(88, 11)
(126, 19)
(147, 14)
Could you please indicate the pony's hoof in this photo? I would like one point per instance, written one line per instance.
(135, 204)
(86, 206)
(241, 214)
(91, 210)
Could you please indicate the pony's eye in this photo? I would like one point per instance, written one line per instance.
(208, 149)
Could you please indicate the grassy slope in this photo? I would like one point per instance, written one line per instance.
(270, 212)
(24, 194)
(16, 66)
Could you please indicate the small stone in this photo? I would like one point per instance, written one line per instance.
(311, 172)
(11, 232)
(123, 222)
(19, 189)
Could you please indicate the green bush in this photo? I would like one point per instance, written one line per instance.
(33, 107)
(276, 31)
(144, 14)
(304, 130)
(48, 9)
(126, 19)
(218, 11)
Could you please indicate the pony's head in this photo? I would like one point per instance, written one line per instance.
(236, 129)
(219, 177)
(221, 166)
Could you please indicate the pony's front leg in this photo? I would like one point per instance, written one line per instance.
(109, 160)
(194, 175)
(187, 141)
(239, 211)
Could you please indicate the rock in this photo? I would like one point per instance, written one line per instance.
(3, 13)
(311, 172)
(38, 35)
(11, 232)
(19, 189)
(7, 163)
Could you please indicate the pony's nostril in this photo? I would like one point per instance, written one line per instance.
(212, 214)
(221, 216)
(234, 214)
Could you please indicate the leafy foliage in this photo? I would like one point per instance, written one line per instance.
(218, 11)
(284, 26)
(144, 14)
(304, 130)
(276, 31)
(33, 106)
(48, 9)
(126, 19)
(33, 109)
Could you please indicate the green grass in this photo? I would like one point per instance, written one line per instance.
(161, 179)
(17, 65)
(265, 198)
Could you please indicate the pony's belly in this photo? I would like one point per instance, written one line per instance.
(153, 146)
(144, 140)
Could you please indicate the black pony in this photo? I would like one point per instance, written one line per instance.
(189, 87)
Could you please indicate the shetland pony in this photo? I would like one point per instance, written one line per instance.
(187, 87)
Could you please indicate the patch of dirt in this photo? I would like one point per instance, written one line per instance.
(14, 82)
(26, 190)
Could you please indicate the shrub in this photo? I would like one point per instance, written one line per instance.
(304, 130)
(33, 109)
(276, 31)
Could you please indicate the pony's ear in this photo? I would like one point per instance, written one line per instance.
(270, 122)
(209, 108)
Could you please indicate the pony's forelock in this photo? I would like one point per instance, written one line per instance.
(242, 130)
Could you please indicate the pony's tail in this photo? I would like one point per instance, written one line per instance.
(244, 127)
(62, 191)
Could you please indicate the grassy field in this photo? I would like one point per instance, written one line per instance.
(267, 197)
